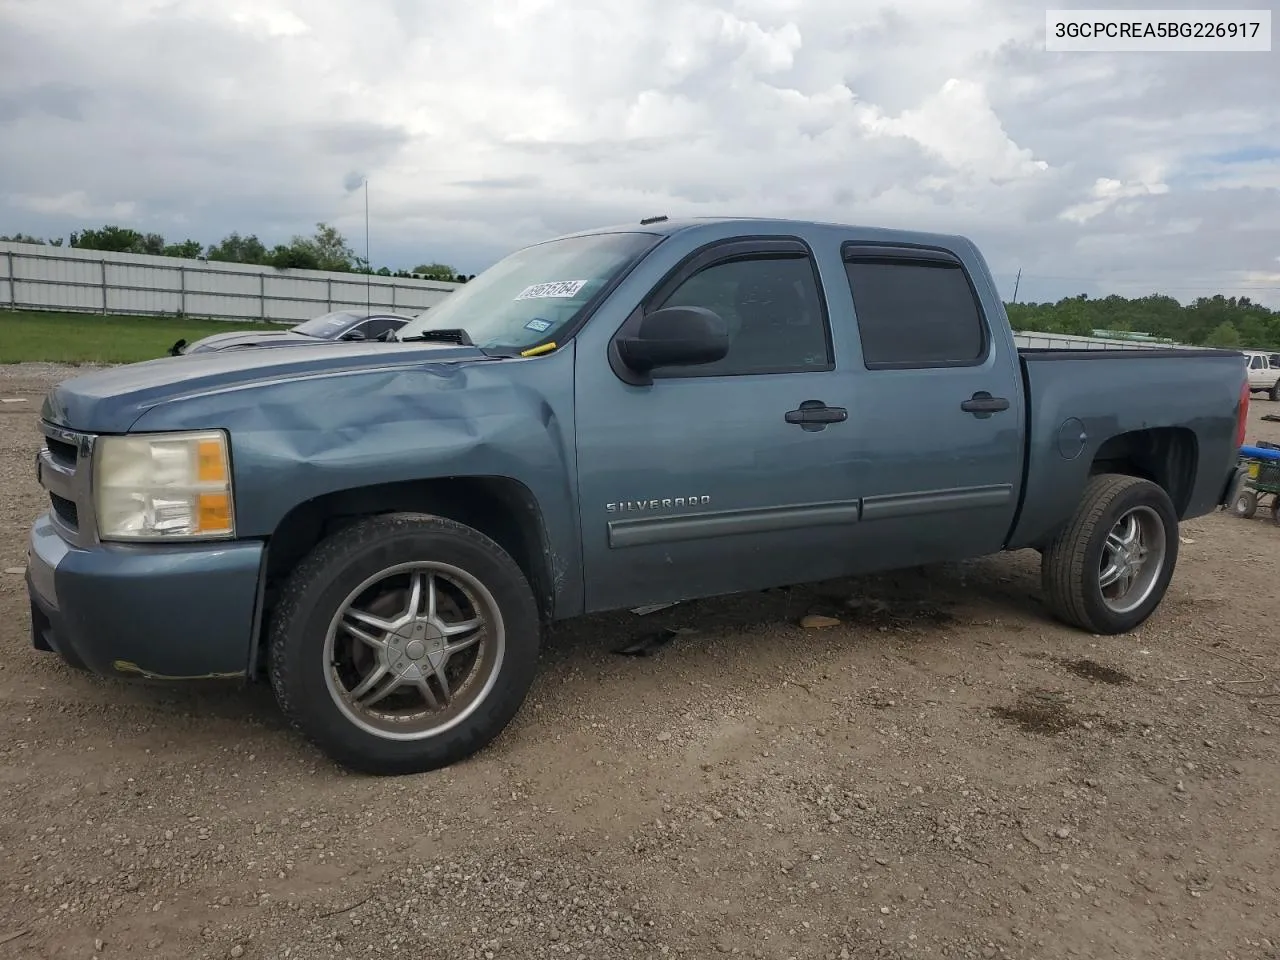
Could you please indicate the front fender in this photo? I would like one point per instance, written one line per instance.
(297, 439)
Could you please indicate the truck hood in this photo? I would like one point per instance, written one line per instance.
(111, 400)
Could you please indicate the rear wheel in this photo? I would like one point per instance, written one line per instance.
(1110, 566)
(404, 643)
(1275, 391)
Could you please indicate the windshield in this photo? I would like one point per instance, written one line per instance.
(528, 297)
(326, 326)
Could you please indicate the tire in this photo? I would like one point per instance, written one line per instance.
(1072, 567)
(1275, 508)
(1245, 505)
(369, 567)
(1275, 391)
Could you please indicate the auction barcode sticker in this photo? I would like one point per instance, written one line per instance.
(558, 288)
(1153, 31)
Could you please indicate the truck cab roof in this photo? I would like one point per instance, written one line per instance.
(725, 225)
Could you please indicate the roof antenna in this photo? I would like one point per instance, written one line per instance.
(648, 220)
(368, 264)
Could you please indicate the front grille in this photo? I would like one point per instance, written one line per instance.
(61, 451)
(64, 465)
(66, 511)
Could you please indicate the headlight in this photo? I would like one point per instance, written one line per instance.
(163, 486)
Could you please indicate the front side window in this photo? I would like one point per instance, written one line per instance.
(773, 308)
(528, 297)
(377, 326)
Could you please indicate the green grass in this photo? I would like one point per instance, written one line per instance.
(39, 336)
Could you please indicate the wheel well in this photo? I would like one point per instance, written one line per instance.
(1166, 456)
(500, 508)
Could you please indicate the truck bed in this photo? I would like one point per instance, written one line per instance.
(1167, 413)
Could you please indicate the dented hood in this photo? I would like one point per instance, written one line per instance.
(110, 401)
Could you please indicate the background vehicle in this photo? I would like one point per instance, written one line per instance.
(329, 327)
(1261, 462)
(1264, 373)
(615, 418)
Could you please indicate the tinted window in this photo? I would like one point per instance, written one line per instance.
(1256, 363)
(773, 309)
(914, 314)
(377, 326)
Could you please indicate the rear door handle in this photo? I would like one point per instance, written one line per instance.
(983, 404)
(815, 415)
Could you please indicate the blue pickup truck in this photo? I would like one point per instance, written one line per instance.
(641, 414)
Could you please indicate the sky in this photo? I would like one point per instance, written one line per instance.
(486, 125)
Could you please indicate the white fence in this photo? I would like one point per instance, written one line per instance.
(36, 277)
(1068, 341)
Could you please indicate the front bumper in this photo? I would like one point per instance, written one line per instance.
(170, 611)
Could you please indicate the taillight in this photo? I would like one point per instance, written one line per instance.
(1242, 414)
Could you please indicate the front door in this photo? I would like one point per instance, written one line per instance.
(730, 476)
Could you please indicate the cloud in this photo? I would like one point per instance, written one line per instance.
(1107, 192)
(75, 204)
(487, 125)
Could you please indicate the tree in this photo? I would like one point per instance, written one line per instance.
(1223, 335)
(110, 238)
(300, 254)
(237, 249)
(436, 271)
(189, 249)
(327, 249)
(332, 250)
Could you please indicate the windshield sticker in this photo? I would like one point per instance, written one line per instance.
(538, 325)
(560, 288)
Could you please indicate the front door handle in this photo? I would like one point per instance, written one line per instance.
(983, 404)
(815, 415)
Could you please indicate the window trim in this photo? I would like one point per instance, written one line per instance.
(714, 254)
(871, 251)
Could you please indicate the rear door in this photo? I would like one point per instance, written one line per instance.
(939, 408)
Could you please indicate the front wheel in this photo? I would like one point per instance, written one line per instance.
(404, 643)
(1109, 567)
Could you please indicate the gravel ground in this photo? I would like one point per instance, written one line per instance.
(945, 773)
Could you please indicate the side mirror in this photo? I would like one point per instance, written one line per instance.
(674, 337)
(353, 335)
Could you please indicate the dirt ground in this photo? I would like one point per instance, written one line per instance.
(947, 773)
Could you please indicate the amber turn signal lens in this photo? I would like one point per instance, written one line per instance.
(213, 513)
(211, 464)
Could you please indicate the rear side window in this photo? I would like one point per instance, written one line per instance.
(913, 314)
